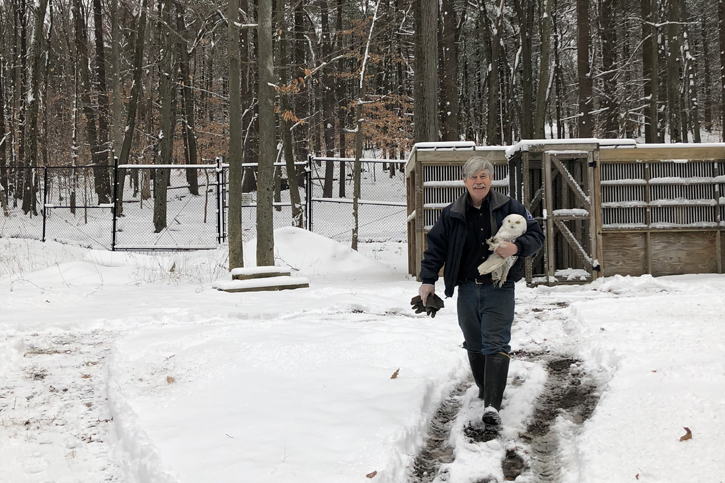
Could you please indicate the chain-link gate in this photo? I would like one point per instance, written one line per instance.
(382, 203)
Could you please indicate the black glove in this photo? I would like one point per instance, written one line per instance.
(432, 304)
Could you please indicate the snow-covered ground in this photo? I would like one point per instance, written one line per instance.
(130, 368)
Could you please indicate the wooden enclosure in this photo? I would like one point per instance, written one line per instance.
(606, 206)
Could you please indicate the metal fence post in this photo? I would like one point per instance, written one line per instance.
(218, 199)
(308, 192)
(224, 203)
(114, 209)
(45, 197)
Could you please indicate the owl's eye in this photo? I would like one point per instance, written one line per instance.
(518, 222)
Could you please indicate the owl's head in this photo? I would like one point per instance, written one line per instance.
(515, 224)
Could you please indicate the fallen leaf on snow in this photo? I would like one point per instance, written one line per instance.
(372, 475)
(395, 374)
(86, 376)
(170, 379)
(688, 435)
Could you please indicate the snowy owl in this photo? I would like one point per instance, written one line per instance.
(513, 227)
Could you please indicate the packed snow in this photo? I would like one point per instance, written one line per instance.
(130, 367)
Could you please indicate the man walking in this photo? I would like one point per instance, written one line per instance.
(457, 242)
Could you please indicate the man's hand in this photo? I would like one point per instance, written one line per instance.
(506, 249)
(425, 290)
(430, 307)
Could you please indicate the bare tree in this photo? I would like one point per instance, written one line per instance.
(449, 72)
(138, 48)
(167, 99)
(542, 94)
(608, 34)
(359, 133)
(267, 138)
(234, 156)
(674, 110)
(425, 90)
(586, 127)
(649, 69)
(33, 98)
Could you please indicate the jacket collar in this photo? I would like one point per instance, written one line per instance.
(495, 200)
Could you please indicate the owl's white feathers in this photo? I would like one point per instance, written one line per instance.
(513, 226)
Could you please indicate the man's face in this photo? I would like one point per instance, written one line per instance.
(478, 186)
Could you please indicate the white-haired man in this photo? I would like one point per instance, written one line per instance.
(457, 242)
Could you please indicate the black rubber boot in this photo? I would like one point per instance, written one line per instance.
(478, 368)
(497, 369)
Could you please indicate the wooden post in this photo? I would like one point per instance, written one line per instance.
(419, 212)
(526, 200)
(595, 214)
(548, 218)
(718, 219)
(647, 220)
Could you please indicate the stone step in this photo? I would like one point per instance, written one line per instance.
(248, 273)
(268, 283)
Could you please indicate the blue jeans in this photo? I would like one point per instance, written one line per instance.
(485, 314)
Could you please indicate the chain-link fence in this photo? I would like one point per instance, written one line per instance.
(382, 203)
(114, 207)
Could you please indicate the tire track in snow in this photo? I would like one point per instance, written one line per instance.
(569, 393)
(436, 450)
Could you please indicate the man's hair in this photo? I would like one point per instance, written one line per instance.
(476, 164)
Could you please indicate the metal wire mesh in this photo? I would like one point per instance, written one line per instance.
(382, 203)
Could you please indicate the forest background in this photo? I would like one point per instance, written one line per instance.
(174, 82)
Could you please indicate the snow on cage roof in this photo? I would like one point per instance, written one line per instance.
(527, 144)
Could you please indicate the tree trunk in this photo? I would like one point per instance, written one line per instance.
(300, 100)
(115, 64)
(425, 91)
(493, 34)
(558, 80)
(3, 136)
(542, 95)
(130, 129)
(285, 126)
(721, 36)
(525, 14)
(32, 121)
(328, 101)
(189, 131)
(167, 94)
(690, 81)
(608, 34)
(586, 128)
(234, 157)
(103, 189)
(449, 70)
(649, 70)
(708, 75)
(341, 99)
(100, 171)
(674, 113)
(20, 50)
(267, 138)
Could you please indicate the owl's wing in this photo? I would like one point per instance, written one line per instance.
(492, 263)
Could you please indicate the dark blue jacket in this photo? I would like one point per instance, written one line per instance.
(446, 239)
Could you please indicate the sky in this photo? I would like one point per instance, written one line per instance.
(132, 368)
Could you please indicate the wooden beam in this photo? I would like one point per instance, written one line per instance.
(458, 158)
(572, 184)
(549, 220)
(661, 152)
(574, 244)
